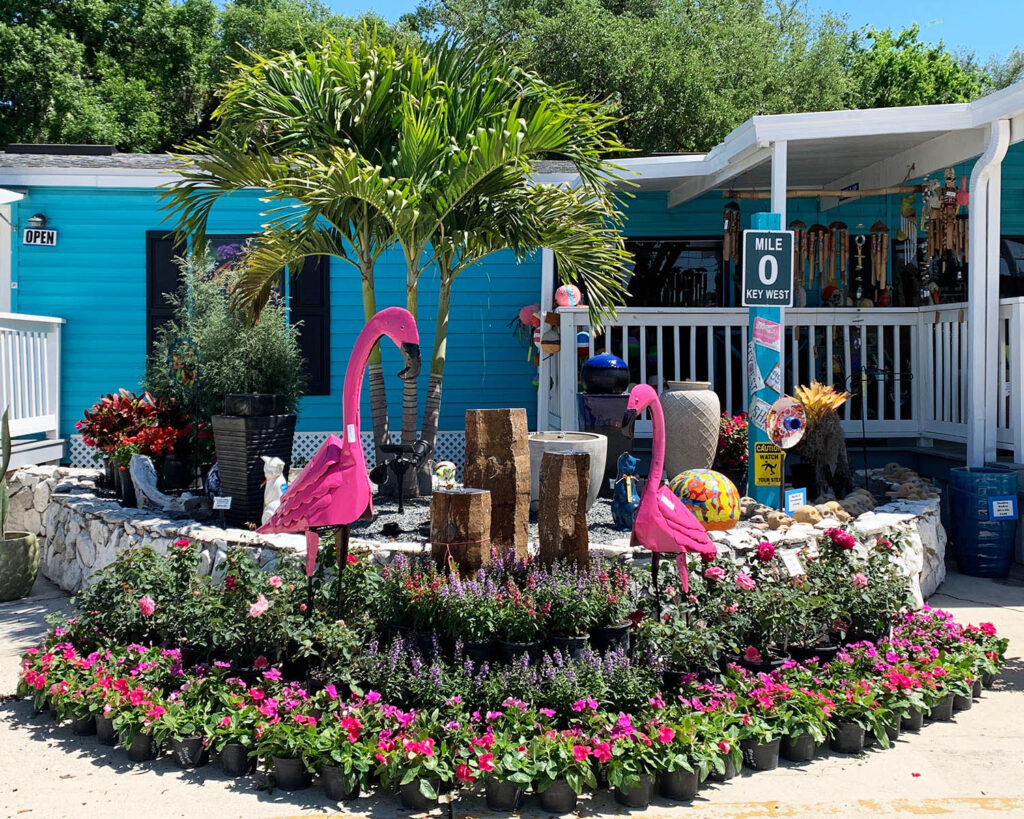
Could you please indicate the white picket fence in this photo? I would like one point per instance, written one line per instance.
(30, 378)
(905, 367)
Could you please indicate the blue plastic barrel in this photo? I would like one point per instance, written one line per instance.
(984, 547)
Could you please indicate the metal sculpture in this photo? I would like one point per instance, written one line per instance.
(333, 489)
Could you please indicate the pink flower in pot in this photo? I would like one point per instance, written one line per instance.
(147, 606)
(752, 655)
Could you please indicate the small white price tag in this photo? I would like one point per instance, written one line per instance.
(791, 560)
(351, 430)
(222, 502)
(1003, 507)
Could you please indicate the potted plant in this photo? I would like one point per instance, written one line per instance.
(562, 768)
(343, 751)
(286, 746)
(133, 721)
(510, 772)
(19, 551)
(732, 452)
(467, 617)
(517, 622)
(569, 614)
(609, 593)
(183, 725)
(418, 766)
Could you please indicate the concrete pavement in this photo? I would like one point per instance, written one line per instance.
(973, 767)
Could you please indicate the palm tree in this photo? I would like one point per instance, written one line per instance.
(326, 115)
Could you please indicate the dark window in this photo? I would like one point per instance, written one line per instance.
(309, 298)
(1011, 267)
(675, 273)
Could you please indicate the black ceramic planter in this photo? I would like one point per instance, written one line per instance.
(610, 638)
(942, 711)
(801, 748)
(847, 738)
(570, 647)
(254, 403)
(84, 726)
(679, 786)
(105, 733)
(761, 756)
(961, 703)
(174, 473)
(290, 774)
(412, 797)
(913, 720)
(240, 441)
(189, 752)
(235, 760)
(142, 749)
(639, 796)
(728, 773)
(503, 796)
(127, 493)
(333, 779)
(558, 797)
(510, 652)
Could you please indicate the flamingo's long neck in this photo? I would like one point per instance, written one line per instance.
(354, 382)
(657, 447)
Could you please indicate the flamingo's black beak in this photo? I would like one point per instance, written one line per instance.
(629, 417)
(411, 354)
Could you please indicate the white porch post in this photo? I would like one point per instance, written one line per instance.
(547, 289)
(983, 296)
(6, 260)
(780, 180)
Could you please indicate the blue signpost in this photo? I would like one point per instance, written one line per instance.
(767, 289)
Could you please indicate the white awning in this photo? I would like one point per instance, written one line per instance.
(7, 196)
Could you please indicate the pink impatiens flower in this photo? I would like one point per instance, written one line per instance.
(260, 607)
(147, 606)
(724, 746)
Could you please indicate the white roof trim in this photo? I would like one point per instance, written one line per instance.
(7, 197)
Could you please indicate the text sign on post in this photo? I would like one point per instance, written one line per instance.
(767, 268)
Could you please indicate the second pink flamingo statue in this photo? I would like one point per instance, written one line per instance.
(663, 523)
(333, 489)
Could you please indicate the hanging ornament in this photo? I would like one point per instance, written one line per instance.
(732, 236)
(568, 295)
(799, 245)
(841, 247)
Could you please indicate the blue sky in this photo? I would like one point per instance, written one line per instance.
(986, 27)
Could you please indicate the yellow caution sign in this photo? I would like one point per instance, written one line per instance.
(767, 464)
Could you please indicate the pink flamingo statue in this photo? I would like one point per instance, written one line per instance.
(333, 489)
(663, 523)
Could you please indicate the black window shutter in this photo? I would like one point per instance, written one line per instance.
(162, 276)
(310, 302)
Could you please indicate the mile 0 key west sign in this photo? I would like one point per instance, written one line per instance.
(767, 268)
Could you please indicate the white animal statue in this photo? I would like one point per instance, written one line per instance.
(273, 470)
(444, 475)
(143, 475)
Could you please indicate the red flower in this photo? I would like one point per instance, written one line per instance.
(580, 752)
(602, 751)
(463, 773)
(485, 762)
(351, 560)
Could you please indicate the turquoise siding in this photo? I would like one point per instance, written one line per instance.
(96, 279)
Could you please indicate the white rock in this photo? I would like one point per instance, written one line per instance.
(85, 549)
(32, 521)
(41, 497)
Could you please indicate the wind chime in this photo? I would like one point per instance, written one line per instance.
(879, 255)
(841, 249)
(819, 255)
(732, 235)
(947, 226)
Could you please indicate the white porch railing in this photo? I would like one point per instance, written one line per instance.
(906, 367)
(30, 373)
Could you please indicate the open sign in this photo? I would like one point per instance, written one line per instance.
(42, 237)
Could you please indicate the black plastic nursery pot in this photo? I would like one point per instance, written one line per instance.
(976, 689)
(559, 797)
(105, 733)
(988, 679)
(610, 638)
(503, 796)
(638, 796)
(847, 738)
(913, 720)
(235, 760)
(942, 711)
(762, 667)
(290, 774)
(892, 730)
(189, 752)
(824, 653)
(761, 756)
(961, 703)
(84, 726)
(335, 784)
(728, 773)
(412, 797)
(511, 652)
(142, 748)
(679, 786)
(479, 651)
(800, 748)
(570, 647)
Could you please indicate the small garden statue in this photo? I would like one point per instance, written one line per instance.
(626, 498)
(273, 488)
(143, 475)
(444, 475)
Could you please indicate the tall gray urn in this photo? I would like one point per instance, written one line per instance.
(692, 420)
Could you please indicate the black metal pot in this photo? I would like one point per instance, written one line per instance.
(189, 752)
(610, 638)
(847, 738)
(800, 748)
(761, 756)
(570, 647)
(290, 774)
(235, 760)
(333, 779)
(503, 796)
(559, 797)
(679, 786)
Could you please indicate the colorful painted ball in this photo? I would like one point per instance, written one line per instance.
(568, 295)
(711, 497)
(444, 471)
(529, 315)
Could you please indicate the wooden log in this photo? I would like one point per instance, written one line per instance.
(562, 507)
(460, 527)
(498, 459)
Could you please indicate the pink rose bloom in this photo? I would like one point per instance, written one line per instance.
(147, 606)
(260, 607)
(275, 581)
(745, 581)
(859, 580)
(765, 551)
(716, 573)
(752, 655)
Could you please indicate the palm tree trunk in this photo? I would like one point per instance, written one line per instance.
(432, 410)
(378, 393)
(410, 394)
